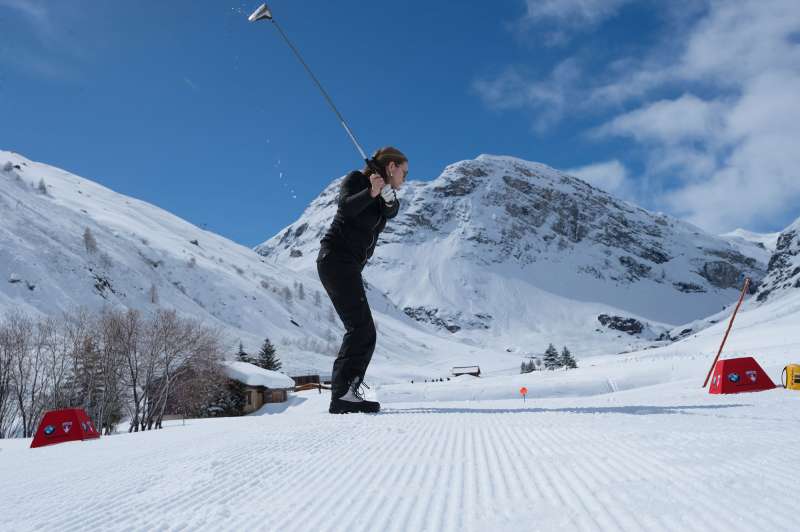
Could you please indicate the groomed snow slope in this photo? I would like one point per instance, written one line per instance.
(670, 460)
(629, 443)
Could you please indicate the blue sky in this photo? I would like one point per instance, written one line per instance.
(688, 107)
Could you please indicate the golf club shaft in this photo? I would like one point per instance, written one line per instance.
(327, 98)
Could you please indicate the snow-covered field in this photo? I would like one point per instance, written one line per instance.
(672, 458)
(627, 442)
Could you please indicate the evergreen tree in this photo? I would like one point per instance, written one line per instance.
(230, 400)
(567, 360)
(243, 356)
(267, 357)
(523, 368)
(551, 360)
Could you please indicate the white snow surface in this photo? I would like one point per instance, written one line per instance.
(252, 375)
(623, 443)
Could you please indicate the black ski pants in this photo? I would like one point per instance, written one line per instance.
(341, 277)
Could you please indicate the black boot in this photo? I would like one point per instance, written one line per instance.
(353, 400)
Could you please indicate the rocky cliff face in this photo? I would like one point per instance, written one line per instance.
(783, 273)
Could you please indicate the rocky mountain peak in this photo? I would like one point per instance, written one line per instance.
(529, 221)
(783, 271)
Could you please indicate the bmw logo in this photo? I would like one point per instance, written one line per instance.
(733, 377)
(49, 430)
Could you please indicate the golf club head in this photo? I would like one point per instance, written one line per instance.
(261, 13)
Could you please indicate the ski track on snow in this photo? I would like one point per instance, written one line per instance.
(474, 466)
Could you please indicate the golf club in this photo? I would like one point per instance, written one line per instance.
(264, 13)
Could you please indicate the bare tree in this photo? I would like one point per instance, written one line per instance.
(104, 363)
(108, 394)
(8, 354)
(28, 373)
(187, 344)
(50, 341)
(77, 328)
(157, 350)
(196, 389)
(125, 331)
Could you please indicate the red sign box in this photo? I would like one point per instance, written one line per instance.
(737, 375)
(68, 424)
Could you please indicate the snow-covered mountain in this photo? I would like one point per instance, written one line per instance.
(139, 256)
(66, 242)
(783, 274)
(502, 248)
(486, 264)
(760, 246)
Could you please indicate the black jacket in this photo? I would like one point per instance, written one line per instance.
(359, 220)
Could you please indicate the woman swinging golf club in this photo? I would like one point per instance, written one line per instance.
(365, 202)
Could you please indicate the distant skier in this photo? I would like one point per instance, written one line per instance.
(365, 202)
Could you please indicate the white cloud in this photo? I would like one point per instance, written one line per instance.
(576, 12)
(733, 155)
(547, 98)
(34, 12)
(49, 48)
(759, 178)
(741, 39)
(555, 20)
(611, 176)
(687, 118)
(713, 106)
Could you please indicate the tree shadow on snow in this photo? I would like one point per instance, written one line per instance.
(635, 410)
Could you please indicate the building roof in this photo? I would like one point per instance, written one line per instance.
(252, 375)
(465, 369)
